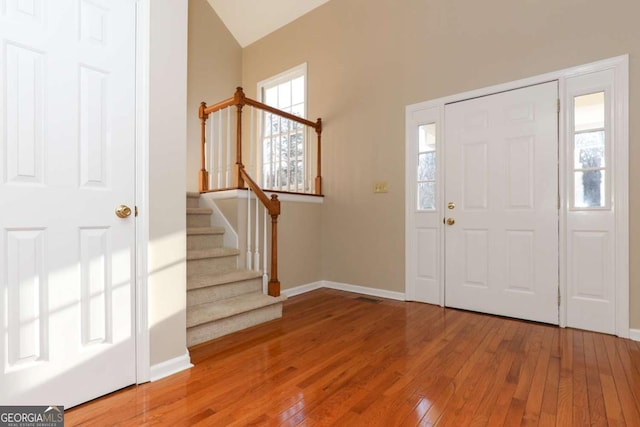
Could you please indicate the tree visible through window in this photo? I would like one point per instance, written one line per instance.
(283, 141)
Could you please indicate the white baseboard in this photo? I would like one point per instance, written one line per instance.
(302, 289)
(171, 366)
(381, 293)
(634, 334)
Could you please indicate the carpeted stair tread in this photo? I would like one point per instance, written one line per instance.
(197, 231)
(194, 254)
(197, 282)
(210, 312)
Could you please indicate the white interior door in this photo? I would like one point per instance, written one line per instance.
(501, 178)
(66, 163)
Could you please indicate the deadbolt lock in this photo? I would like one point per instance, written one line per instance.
(451, 205)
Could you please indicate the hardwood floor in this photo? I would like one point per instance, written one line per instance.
(337, 359)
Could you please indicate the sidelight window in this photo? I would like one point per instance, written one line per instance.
(590, 159)
(427, 167)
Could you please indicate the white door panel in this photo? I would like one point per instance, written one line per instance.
(67, 162)
(501, 254)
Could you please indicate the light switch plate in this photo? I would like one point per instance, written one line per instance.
(380, 187)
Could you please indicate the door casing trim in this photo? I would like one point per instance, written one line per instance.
(620, 65)
(143, 355)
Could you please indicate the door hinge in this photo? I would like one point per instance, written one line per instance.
(135, 211)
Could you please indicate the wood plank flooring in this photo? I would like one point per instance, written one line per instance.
(335, 359)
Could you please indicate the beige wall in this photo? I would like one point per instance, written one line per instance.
(167, 223)
(214, 70)
(299, 239)
(366, 63)
(299, 244)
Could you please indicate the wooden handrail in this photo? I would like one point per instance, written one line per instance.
(219, 106)
(281, 113)
(239, 98)
(273, 208)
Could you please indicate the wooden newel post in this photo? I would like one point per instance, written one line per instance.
(319, 165)
(203, 176)
(239, 101)
(274, 211)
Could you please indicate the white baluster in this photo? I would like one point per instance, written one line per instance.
(309, 161)
(279, 155)
(228, 175)
(265, 276)
(295, 169)
(272, 155)
(219, 149)
(256, 246)
(252, 144)
(248, 261)
(289, 123)
(209, 160)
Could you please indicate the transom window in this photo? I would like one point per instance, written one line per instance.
(284, 141)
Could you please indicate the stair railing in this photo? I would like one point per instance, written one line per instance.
(293, 164)
(276, 126)
(272, 206)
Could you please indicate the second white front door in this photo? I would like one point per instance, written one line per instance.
(501, 204)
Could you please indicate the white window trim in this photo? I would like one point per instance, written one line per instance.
(620, 195)
(284, 76)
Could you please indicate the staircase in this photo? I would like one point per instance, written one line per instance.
(221, 298)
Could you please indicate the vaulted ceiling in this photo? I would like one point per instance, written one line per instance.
(250, 20)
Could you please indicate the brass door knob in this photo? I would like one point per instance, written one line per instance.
(123, 211)
(451, 221)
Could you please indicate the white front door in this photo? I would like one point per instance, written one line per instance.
(67, 117)
(501, 196)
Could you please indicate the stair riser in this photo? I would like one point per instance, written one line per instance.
(198, 220)
(208, 331)
(217, 265)
(220, 292)
(193, 202)
(205, 241)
